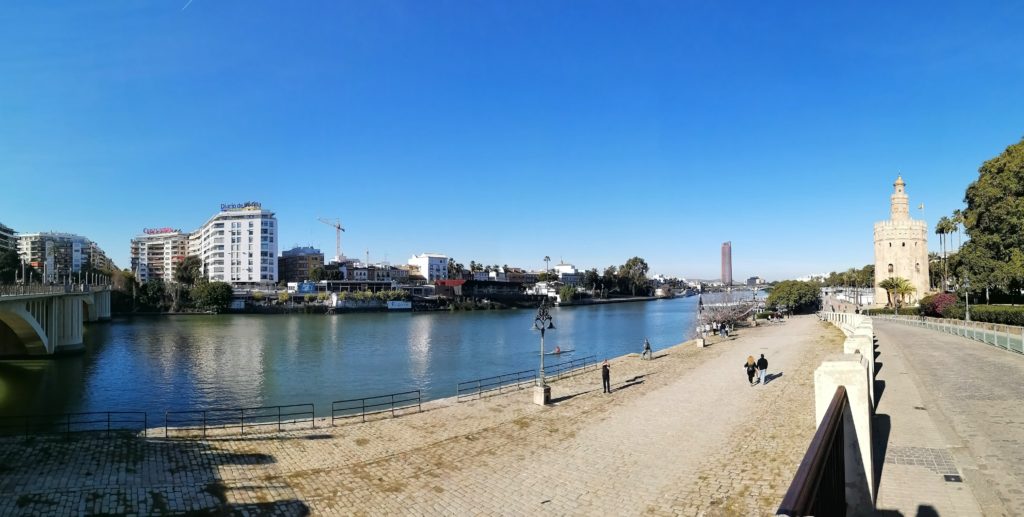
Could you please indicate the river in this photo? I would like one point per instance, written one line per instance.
(162, 363)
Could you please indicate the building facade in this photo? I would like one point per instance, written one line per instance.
(727, 263)
(157, 252)
(7, 239)
(901, 247)
(59, 255)
(238, 245)
(431, 266)
(296, 264)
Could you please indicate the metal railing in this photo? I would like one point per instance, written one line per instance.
(241, 418)
(67, 424)
(819, 486)
(477, 387)
(1006, 337)
(32, 289)
(342, 409)
(571, 367)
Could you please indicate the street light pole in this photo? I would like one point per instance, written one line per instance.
(967, 299)
(542, 322)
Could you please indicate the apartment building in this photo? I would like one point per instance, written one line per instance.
(157, 252)
(60, 255)
(238, 245)
(296, 264)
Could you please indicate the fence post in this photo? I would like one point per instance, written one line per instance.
(392, 405)
(204, 423)
(419, 402)
(479, 394)
(279, 419)
(312, 417)
(241, 419)
(363, 402)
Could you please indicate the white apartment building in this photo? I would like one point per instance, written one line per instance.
(60, 255)
(7, 239)
(157, 252)
(238, 245)
(568, 274)
(432, 266)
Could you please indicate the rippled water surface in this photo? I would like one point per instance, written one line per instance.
(165, 363)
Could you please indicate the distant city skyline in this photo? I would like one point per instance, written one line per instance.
(504, 133)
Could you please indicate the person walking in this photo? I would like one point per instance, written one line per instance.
(751, 367)
(648, 353)
(762, 368)
(606, 376)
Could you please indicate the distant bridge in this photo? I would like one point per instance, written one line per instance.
(46, 319)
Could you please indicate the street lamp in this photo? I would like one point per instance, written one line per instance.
(542, 392)
(967, 299)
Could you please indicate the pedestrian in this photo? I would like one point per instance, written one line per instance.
(751, 367)
(606, 376)
(762, 367)
(648, 353)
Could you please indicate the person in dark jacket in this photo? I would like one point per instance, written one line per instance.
(751, 367)
(606, 376)
(762, 368)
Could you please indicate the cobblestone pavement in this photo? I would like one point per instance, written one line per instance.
(683, 434)
(957, 405)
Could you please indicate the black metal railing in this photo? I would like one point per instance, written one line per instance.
(478, 387)
(396, 403)
(819, 487)
(105, 422)
(189, 421)
(571, 367)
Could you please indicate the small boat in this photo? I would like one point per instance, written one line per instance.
(557, 352)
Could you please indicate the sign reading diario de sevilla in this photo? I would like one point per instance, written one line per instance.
(158, 231)
(248, 205)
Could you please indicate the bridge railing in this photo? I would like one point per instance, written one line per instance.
(204, 420)
(1007, 337)
(379, 404)
(819, 487)
(30, 289)
(105, 422)
(478, 387)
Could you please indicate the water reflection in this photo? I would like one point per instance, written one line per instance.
(169, 363)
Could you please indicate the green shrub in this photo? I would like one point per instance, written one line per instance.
(934, 304)
(903, 311)
(1003, 314)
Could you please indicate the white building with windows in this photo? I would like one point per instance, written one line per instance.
(7, 239)
(60, 255)
(238, 245)
(431, 266)
(157, 252)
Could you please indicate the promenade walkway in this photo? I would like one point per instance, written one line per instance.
(950, 406)
(683, 434)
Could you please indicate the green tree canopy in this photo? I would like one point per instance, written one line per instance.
(796, 296)
(10, 264)
(994, 221)
(189, 271)
(215, 296)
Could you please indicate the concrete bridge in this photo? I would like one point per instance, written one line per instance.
(48, 319)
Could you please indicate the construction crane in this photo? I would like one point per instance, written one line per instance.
(336, 224)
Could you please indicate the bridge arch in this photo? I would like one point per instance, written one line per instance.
(23, 325)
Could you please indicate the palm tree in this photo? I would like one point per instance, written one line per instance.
(889, 284)
(547, 263)
(942, 228)
(903, 289)
(958, 222)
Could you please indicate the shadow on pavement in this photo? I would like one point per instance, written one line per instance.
(128, 474)
(880, 436)
(879, 389)
(629, 383)
(771, 377)
(926, 510)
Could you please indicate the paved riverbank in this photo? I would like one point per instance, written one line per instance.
(682, 434)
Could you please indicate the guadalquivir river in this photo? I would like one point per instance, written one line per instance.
(162, 363)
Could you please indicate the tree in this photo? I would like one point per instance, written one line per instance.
(794, 295)
(635, 270)
(943, 228)
(896, 290)
(903, 290)
(10, 266)
(591, 278)
(153, 295)
(213, 296)
(994, 220)
(283, 297)
(609, 279)
(316, 274)
(189, 270)
(567, 293)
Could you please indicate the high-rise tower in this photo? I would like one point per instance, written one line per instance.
(727, 263)
(901, 247)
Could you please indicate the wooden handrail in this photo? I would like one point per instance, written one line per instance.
(818, 488)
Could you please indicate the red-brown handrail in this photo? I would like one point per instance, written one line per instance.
(819, 486)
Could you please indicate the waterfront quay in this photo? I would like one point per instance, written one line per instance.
(683, 434)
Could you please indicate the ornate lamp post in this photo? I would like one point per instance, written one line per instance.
(542, 392)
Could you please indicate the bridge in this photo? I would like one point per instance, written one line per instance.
(48, 319)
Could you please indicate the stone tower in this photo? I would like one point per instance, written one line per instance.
(901, 247)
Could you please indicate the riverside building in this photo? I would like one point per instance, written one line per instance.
(727, 263)
(61, 255)
(156, 252)
(238, 245)
(901, 247)
(296, 264)
(7, 239)
(431, 266)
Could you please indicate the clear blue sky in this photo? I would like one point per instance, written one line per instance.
(505, 131)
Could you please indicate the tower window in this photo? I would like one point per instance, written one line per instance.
(917, 267)
(890, 268)
(904, 245)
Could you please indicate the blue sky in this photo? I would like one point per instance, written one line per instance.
(505, 131)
